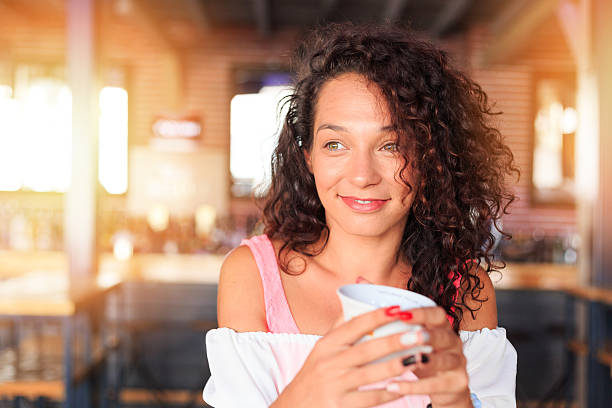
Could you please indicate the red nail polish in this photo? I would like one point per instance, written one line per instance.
(392, 311)
(405, 315)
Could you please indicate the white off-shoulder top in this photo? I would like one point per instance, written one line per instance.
(251, 369)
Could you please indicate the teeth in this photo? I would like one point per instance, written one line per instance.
(363, 201)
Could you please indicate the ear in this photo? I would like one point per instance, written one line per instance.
(308, 160)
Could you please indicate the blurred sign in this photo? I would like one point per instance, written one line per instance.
(177, 132)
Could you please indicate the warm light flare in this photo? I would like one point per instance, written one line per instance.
(158, 217)
(123, 248)
(587, 143)
(10, 165)
(113, 160)
(569, 122)
(5, 91)
(205, 220)
(36, 137)
(547, 166)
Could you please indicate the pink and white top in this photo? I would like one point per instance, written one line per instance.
(252, 368)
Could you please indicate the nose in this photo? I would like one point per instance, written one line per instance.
(363, 170)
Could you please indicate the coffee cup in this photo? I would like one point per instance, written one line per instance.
(360, 298)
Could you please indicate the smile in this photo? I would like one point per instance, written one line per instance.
(364, 205)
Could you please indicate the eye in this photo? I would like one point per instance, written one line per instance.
(390, 147)
(333, 146)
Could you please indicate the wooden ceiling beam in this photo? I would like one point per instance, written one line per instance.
(450, 14)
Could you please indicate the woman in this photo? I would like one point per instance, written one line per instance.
(386, 171)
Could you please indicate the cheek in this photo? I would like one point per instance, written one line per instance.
(326, 174)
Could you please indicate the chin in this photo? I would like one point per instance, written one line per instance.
(370, 228)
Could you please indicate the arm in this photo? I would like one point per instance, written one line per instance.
(240, 307)
(240, 299)
(486, 315)
(491, 359)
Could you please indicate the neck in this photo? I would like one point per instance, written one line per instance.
(348, 256)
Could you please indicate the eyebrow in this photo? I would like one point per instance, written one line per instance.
(338, 128)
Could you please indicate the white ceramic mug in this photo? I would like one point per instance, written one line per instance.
(360, 298)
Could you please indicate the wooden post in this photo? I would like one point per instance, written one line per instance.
(81, 199)
(602, 231)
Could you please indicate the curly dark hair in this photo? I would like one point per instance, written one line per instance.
(442, 120)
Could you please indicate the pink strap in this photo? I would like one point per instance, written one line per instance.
(278, 314)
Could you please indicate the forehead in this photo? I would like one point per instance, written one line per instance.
(351, 97)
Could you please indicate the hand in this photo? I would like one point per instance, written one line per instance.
(337, 367)
(442, 374)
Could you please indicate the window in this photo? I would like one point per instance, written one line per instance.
(36, 133)
(554, 129)
(255, 122)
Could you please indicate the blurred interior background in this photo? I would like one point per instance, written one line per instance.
(134, 136)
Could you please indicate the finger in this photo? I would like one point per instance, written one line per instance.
(437, 362)
(443, 339)
(368, 398)
(450, 381)
(373, 373)
(371, 350)
(429, 316)
(351, 331)
(338, 322)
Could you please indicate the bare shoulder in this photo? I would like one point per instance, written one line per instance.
(240, 302)
(485, 315)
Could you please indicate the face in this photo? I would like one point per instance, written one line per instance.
(354, 159)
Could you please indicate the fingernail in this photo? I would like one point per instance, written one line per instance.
(393, 387)
(409, 338)
(361, 279)
(424, 358)
(405, 315)
(410, 360)
(413, 337)
(392, 311)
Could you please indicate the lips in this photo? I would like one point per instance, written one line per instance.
(364, 204)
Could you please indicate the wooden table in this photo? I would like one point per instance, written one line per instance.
(591, 293)
(44, 295)
(34, 285)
